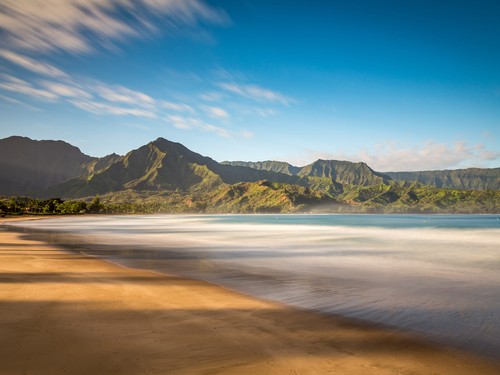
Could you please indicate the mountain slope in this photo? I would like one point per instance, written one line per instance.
(470, 178)
(264, 196)
(31, 167)
(269, 165)
(418, 198)
(345, 172)
(165, 165)
(97, 164)
(342, 172)
(27, 165)
(159, 165)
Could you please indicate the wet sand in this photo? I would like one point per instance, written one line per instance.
(64, 312)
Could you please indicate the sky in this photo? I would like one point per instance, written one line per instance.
(402, 86)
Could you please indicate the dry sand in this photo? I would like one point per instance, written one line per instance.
(63, 312)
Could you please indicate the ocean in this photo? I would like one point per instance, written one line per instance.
(435, 276)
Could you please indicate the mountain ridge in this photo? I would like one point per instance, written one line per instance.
(27, 166)
(58, 169)
(468, 178)
(166, 165)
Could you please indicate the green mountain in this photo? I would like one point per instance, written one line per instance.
(470, 178)
(97, 164)
(162, 169)
(417, 198)
(159, 165)
(165, 165)
(28, 166)
(264, 196)
(345, 172)
(341, 172)
(273, 166)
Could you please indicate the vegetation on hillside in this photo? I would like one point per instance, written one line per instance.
(341, 172)
(346, 172)
(166, 177)
(421, 199)
(470, 178)
(270, 197)
(273, 166)
(163, 165)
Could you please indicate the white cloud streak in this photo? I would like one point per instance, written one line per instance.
(78, 26)
(122, 94)
(256, 93)
(30, 64)
(195, 123)
(190, 123)
(180, 107)
(95, 97)
(65, 90)
(214, 112)
(102, 108)
(23, 87)
(393, 156)
(213, 96)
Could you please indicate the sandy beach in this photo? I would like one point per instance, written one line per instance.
(64, 312)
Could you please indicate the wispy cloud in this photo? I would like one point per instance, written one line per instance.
(30, 64)
(102, 108)
(213, 96)
(247, 134)
(264, 112)
(256, 93)
(78, 26)
(100, 98)
(120, 94)
(195, 123)
(394, 156)
(65, 90)
(18, 85)
(10, 100)
(94, 96)
(15, 101)
(214, 112)
(191, 123)
(179, 122)
(180, 107)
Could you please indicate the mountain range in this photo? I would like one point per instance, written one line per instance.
(345, 172)
(46, 169)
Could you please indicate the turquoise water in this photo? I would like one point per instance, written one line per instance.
(437, 276)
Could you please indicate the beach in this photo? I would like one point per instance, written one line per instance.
(65, 312)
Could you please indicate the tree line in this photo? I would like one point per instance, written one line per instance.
(30, 206)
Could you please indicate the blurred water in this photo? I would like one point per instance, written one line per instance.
(438, 276)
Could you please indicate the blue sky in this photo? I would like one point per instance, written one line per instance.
(400, 85)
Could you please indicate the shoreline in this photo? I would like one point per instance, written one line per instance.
(64, 311)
